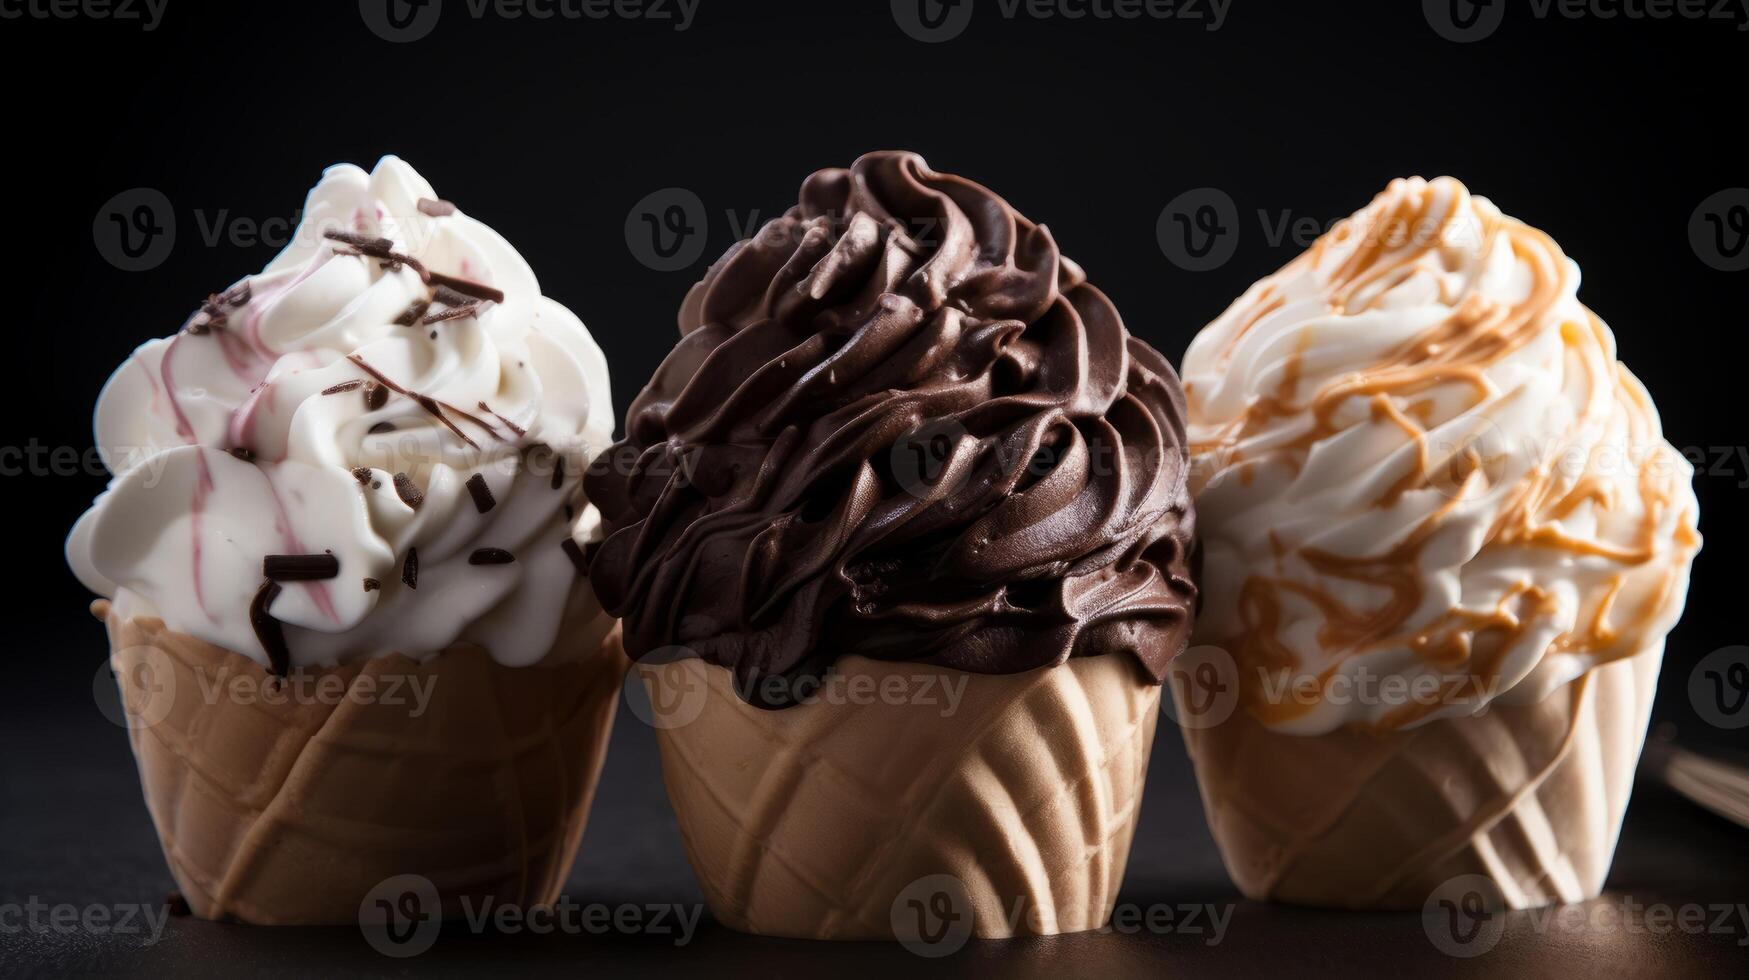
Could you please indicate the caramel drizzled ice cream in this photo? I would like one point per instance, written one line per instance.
(1417, 459)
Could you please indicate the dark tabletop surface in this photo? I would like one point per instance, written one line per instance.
(74, 832)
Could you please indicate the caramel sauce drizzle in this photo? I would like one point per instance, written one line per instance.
(1469, 645)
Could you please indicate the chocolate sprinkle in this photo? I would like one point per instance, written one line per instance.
(453, 313)
(268, 631)
(342, 386)
(243, 453)
(482, 494)
(375, 396)
(576, 555)
(382, 427)
(426, 402)
(362, 475)
(380, 248)
(438, 208)
(449, 297)
(300, 568)
(468, 286)
(408, 491)
(558, 472)
(412, 313)
(490, 556)
(410, 569)
(371, 585)
(512, 426)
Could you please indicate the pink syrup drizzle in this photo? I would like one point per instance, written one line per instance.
(248, 359)
(202, 486)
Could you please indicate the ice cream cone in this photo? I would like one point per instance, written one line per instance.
(1530, 796)
(830, 819)
(282, 809)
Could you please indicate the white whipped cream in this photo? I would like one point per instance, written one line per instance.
(184, 527)
(1418, 461)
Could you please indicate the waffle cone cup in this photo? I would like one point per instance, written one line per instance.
(1527, 796)
(847, 818)
(290, 810)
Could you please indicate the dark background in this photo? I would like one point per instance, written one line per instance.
(1607, 133)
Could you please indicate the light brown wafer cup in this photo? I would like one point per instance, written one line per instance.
(289, 810)
(839, 820)
(1529, 796)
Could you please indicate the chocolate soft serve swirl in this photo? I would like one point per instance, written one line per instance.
(899, 424)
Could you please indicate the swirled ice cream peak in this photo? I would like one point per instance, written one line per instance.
(1421, 470)
(375, 445)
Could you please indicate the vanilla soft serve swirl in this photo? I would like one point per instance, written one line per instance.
(392, 390)
(1419, 462)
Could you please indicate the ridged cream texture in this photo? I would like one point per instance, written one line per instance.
(183, 528)
(1418, 461)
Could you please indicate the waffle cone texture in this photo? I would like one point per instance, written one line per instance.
(823, 820)
(290, 813)
(1529, 796)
